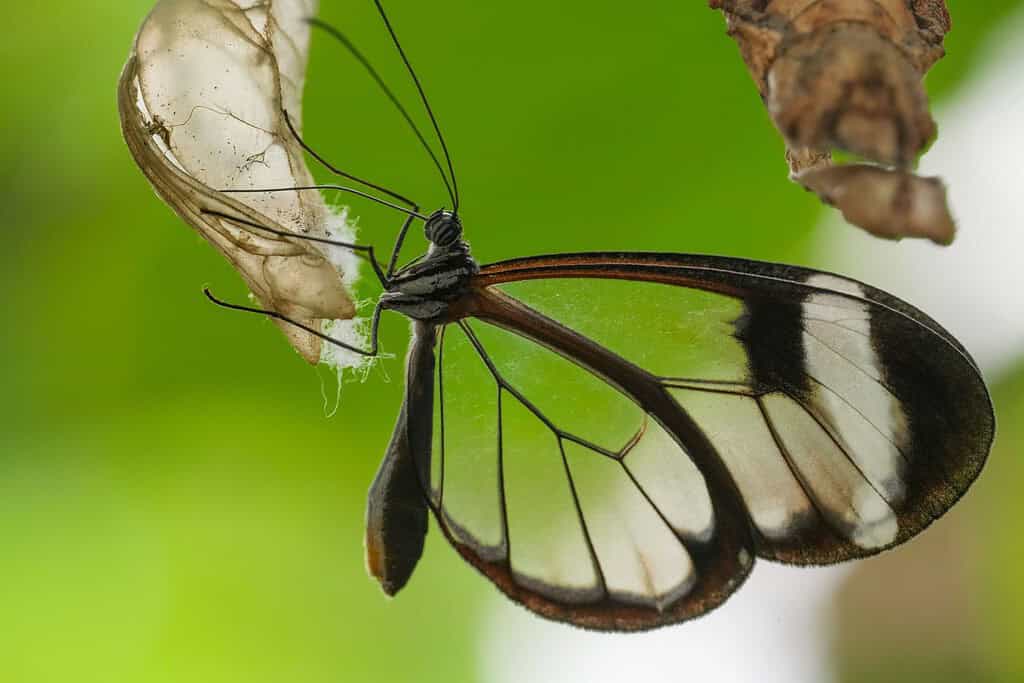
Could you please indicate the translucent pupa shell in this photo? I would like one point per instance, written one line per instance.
(202, 101)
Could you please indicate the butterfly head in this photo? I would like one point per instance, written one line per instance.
(443, 228)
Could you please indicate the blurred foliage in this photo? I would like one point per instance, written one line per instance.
(953, 598)
(1000, 516)
(173, 501)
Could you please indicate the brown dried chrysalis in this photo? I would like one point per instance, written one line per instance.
(847, 75)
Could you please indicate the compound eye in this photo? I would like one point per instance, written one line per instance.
(447, 233)
(443, 229)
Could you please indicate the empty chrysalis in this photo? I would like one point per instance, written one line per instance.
(208, 100)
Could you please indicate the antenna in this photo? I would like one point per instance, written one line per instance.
(355, 52)
(452, 186)
(423, 98)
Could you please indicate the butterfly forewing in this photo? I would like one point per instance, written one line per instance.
(651, 422)
(854, 387)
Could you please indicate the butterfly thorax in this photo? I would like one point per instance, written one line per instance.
(424, 289)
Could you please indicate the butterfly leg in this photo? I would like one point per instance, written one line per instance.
(398, 245)
(374, 324)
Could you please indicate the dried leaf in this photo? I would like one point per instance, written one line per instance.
(202, 101)
(847, 74)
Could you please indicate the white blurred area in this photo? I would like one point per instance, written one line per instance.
(770, 631)
(778, 626)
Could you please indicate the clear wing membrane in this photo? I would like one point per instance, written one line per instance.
(569, 516)
(614, 444)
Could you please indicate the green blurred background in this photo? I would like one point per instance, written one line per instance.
(175, 505)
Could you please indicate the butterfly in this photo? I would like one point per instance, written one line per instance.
(613, 438)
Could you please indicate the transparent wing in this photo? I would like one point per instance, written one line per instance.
(617, 435)
(848, 420)
(202, 101)
(566, 493)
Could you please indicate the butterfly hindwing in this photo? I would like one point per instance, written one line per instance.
(614, 529)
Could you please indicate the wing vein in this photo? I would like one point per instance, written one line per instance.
(501, 488)
(527, 403)
(635, 439)
(859, 369)
(859, 412)
(440, 390)
(707, 386)
(654, 506)
(583, 522)
(835, 441)
(836, 323)
(787, 458)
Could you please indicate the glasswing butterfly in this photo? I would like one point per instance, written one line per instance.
(621, 469)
